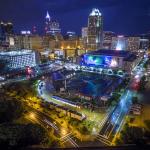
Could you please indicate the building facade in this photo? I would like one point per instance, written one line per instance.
(84, 33)
(95, 30)
(133, 43)
(119, 43)
(51, 26)
(19, 59)
(72, 48)
(144, 42)
(6, 28)
(110, 59)
(107, 39)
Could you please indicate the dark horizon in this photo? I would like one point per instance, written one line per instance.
(120, 16)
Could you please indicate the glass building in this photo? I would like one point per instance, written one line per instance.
(51, 26)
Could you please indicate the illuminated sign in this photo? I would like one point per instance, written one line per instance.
(93, 60)
(25, 32)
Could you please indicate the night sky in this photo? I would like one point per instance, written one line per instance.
(120, 16)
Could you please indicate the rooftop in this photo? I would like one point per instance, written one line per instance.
(13, 53)
(111, 53)
(95, 12)
(47, 15)
(126, 55)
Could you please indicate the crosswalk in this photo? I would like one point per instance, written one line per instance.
(103, 139)
(102, 123)
(69, 138)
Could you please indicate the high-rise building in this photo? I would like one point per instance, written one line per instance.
(6, 28)
(144, 42)
(51, 26)
(107, 39)
(70, 35)
(133, 43)
(47, 22)
(119, 43)
(84, 36)
(130, 43)
(95, 30)
(54, 27)
(84, 32)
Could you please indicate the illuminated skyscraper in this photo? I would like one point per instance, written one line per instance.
(107, 39)
(54, 27)
(6, 28)
(144, 42)
(119, 43)
(95, 30)
(133, 43)
(51, 26)
(47, 23)
(84, 36)
(48, 18)
(70, 35)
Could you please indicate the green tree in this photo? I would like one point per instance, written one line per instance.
(147, 123)
(19, 135)
(132, 135)
(10, 109)
(83, 129)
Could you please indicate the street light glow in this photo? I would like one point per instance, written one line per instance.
(32, 115)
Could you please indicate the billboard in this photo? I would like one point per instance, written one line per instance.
(97, 61)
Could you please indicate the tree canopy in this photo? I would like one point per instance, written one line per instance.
(10, 109)
(19, 135)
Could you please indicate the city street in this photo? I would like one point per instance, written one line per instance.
(116, 119)
(66, 137)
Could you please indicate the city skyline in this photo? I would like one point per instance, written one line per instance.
(123, 17)
(75, 74)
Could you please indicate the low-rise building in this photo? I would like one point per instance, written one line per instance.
(110, 59)
(19, 59)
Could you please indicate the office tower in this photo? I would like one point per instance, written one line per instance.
(95, 30)
(119, 43)
(133, 43)
(54, 27)
(84, 33)
(70, 35)
(47, 23)
(6, 28)
(107, 39)
(144, 42)
(51, 26)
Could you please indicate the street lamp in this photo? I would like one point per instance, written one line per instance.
(32, 115)
(64, 132)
